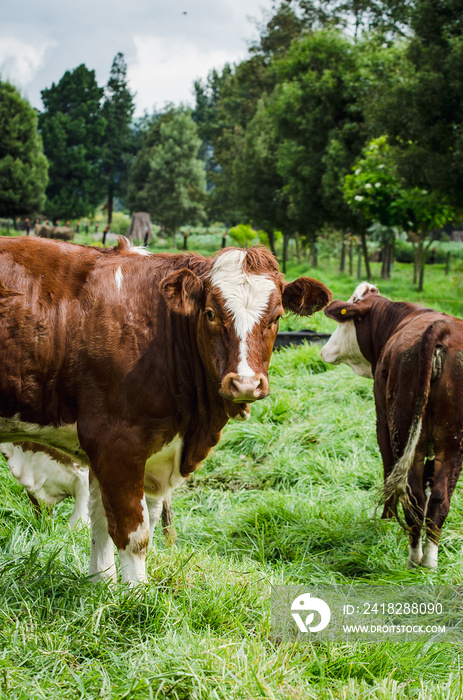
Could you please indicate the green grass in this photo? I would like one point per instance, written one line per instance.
(288, 497)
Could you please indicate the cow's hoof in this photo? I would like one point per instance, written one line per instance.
(412, 564)
(428, 563)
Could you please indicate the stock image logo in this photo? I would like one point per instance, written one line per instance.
(306, 604)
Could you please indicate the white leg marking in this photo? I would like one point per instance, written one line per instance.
(80, 516)
(246, 298)
(132, 558)
(102, 548)
(429, 559)
(154, 504)
(415, 555)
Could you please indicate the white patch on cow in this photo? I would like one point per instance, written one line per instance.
(246, 298)
(429, 559)
(48, 480)
(132, 558)
(136, 249)
(119, 278)
(155, 505)
(62, 438)
(102, 565)
(396, 483)
(162, 470)
(343, 347)
(415, 555)
(362, 289)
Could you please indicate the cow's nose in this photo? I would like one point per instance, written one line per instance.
(241, 389)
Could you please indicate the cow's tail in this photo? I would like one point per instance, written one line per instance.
(429, 362)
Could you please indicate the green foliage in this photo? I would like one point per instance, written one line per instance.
(72, 128)
(168, 179)
(373, 189)
(243, 235)
(23, 166)
(318, 120)
(118, 146)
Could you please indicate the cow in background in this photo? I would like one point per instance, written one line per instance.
(415, 357)
(50, 476)
(132, 363)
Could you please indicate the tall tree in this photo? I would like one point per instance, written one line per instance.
(420, 105)
(319, 128)
(169, 176)
(377, 191)
(118, 108)
(23, 166)
(258, 186)
(72, 128)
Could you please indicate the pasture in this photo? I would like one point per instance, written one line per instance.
(287, 497)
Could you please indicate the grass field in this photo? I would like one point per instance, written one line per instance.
(288, 497)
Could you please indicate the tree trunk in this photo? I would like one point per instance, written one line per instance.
(422, 265)
(351, 258)
(271, 241)
(417, 251)
(110, 204)
(313, 251)
(140, 224)
(387, 259)
(285, 251)
(359, 263)
(297, 238)
(342, 265)
(365, 255)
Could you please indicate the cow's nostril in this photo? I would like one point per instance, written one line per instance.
(239, 388)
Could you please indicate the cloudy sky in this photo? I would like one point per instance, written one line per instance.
(167, 43)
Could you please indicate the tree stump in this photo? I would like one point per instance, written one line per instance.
(140, 225)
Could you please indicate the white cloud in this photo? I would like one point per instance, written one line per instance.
(20, 61)
(164, 70)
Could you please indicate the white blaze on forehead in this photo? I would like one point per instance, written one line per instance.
(246, 298)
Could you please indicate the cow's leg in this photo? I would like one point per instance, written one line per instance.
(160, 507)
(155, 507)
(168, 528)
(384, 442)
(414, 512)
(102, 548)
(132, 556)
(446, 473)
(79, 515)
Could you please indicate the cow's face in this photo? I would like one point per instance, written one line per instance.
(343, 344)
(238, 306)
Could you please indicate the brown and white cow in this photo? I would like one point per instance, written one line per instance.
(50, 476)
(133, 364)
(415, 357)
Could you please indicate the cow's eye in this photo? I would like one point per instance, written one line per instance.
(274, 322)
(210, 315)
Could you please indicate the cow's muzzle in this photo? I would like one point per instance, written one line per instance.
(239, 389)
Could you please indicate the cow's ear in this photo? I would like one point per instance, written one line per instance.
(182, 291)
(305, 296)
(342, 311)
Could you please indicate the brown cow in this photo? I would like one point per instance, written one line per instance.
(133, 364)
(415, 356)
